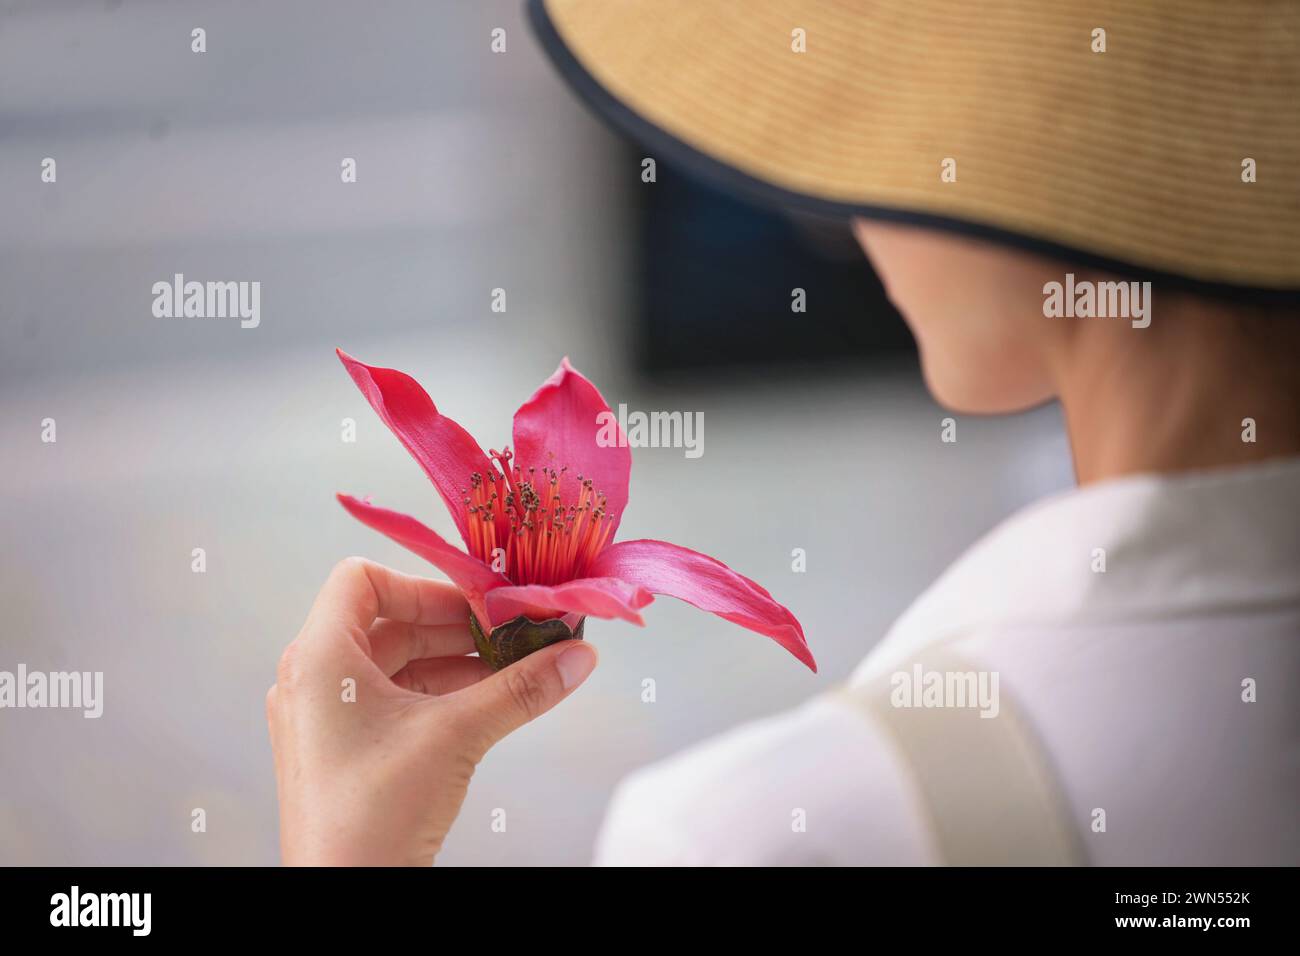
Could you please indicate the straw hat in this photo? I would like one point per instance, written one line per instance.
(1120, 135)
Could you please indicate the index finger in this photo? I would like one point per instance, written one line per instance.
(359, 591)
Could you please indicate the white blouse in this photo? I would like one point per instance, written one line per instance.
(1146, 628)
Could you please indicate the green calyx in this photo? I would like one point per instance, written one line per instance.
(516, 639)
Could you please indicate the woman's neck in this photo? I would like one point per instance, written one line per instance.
(1203, 387)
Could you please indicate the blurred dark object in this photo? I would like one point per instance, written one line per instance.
(717, 278)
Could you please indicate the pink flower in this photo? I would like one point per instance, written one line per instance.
(539, 524)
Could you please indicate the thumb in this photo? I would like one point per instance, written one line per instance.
(502, 703)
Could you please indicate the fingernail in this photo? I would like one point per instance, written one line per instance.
(575, 663)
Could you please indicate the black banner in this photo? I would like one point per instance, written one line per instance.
(127, 904)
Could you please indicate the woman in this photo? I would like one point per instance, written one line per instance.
(1085, 203)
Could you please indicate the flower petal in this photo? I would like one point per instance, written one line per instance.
(447, 453)
(474, 578)
(559, 426)
(598, 597)
(706, 583)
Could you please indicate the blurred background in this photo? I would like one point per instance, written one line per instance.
(475, 171)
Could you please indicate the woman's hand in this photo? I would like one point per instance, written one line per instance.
(378, 717)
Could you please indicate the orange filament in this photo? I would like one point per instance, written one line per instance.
(521, 525)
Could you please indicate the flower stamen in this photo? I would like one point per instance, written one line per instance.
(545, 538)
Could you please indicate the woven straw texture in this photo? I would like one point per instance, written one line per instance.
(1134, 154)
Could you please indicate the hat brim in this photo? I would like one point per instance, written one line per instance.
(728, 177)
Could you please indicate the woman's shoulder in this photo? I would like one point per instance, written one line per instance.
(813, 785)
